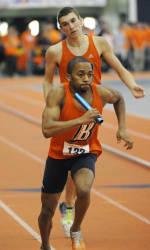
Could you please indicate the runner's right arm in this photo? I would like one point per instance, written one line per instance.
(51, 61)
(51, 125)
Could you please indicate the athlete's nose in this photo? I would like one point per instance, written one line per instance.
(71, 25)
(85, 78)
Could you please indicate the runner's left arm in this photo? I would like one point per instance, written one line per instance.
(126, 77)
(114, 97)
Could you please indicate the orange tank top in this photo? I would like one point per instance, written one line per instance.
(91, 55)
(81, 139)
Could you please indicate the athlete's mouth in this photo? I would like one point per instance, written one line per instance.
(86, 85)
(74, 31)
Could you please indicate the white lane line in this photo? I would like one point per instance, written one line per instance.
(135, 133)
(121, 207)
(26, 99)
(99, 194)
(21, 150)
(37, 122)
(20, 114)
(126, 156)
(21, 222)
(106, 125)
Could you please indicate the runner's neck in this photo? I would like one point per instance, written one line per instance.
(77, 42)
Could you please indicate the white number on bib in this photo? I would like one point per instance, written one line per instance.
(74, 149)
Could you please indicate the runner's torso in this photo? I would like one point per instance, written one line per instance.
(91, 54)
(81, 139)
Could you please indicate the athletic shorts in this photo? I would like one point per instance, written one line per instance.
(56, 171)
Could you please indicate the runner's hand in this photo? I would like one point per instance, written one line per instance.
(137, 91)
(122, 135)
(90, 115)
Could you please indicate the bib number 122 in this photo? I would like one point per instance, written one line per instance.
(73, 150)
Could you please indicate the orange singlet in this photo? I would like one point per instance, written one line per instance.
(78, 140)
(91, 55)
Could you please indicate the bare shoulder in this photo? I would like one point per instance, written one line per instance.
(102, 91)
(108, 95)
(54, 51)
(54, 48)
(100, 40)
(101, 44)
(56, 95)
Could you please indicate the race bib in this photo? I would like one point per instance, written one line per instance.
(73, 149)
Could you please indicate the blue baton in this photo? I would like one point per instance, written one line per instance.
(87, 106)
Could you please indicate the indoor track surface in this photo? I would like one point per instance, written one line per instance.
(119, 215)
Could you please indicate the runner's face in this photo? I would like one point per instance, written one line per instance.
(71, 25)
(82, 76)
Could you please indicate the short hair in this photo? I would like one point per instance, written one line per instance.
(65, 11)
(74, 61)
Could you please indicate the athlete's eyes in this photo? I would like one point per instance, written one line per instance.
(65, 24)
(73, 20)
(90, 74)
(80, 75)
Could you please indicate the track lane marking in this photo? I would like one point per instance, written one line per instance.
(94, 191)
(36, 121)
(21, 222)
(105, 125)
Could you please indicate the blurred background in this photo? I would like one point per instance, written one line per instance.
(28, 27)
(120, 200)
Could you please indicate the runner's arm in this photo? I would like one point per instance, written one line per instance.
(50, 66)
(51, 125)
(114, 97)
(126, 77)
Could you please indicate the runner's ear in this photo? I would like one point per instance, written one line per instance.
(82, 21)
(68, 77)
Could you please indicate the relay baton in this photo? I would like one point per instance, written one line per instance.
(87, 106)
